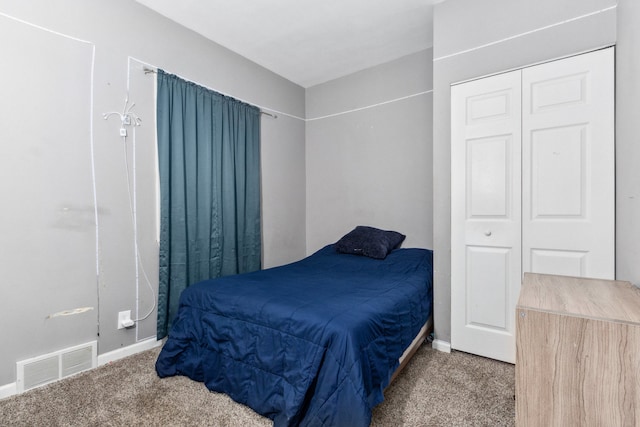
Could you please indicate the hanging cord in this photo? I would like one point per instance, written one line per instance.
(128, 118)
(134, 216)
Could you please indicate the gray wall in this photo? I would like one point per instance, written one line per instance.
(508, 34)
(47, 231)
(372, 166)
(119, 29)
(628, 142)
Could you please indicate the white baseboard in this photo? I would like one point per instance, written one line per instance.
(443, 346)
(129, 350)
(8, 390)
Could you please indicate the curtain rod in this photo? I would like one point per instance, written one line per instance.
(148, 70)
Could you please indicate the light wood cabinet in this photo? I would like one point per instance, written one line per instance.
(577, 352)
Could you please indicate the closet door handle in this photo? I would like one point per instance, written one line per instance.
(487, 233)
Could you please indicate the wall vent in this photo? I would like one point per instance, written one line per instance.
(45, 369)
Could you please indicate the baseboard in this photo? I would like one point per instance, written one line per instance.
(129, 350)
(8, 390)
(443, 346)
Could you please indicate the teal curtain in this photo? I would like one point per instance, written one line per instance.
(209, 162)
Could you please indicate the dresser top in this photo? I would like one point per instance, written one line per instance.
(612, 300)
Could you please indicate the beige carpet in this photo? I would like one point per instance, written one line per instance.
(435, 389)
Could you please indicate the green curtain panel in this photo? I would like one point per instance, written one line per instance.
(209, 162)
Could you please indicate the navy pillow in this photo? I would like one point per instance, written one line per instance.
(370, 242)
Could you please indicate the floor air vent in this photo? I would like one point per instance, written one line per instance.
(45, 369)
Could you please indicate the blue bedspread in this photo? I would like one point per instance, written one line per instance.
(312, 343)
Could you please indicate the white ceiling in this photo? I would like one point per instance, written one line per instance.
(309, 41)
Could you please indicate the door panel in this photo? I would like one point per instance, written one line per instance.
(568, 166)
(563, 263)
(486, 215)
(488, 177)
(487, 107)
(487, 287)
(553, 93)
(558, 166)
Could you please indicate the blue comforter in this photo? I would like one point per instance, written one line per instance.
(312, 343)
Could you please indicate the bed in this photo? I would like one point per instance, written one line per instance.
(312, 343)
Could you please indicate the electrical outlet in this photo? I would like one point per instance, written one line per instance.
(124, 320)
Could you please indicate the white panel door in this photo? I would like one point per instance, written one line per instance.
(532, 181)
(486, 214)
(568, 166)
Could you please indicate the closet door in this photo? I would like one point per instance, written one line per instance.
(533, 190)
(486, 214)
(568, 166)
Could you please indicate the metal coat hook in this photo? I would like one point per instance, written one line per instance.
(127, 117)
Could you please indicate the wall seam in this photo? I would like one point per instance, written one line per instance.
(370, 106)
(526, 33)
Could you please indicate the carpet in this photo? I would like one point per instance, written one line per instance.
(435, 389)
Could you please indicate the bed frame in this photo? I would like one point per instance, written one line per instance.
(413, 347)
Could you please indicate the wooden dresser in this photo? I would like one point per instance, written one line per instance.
(577, 352)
